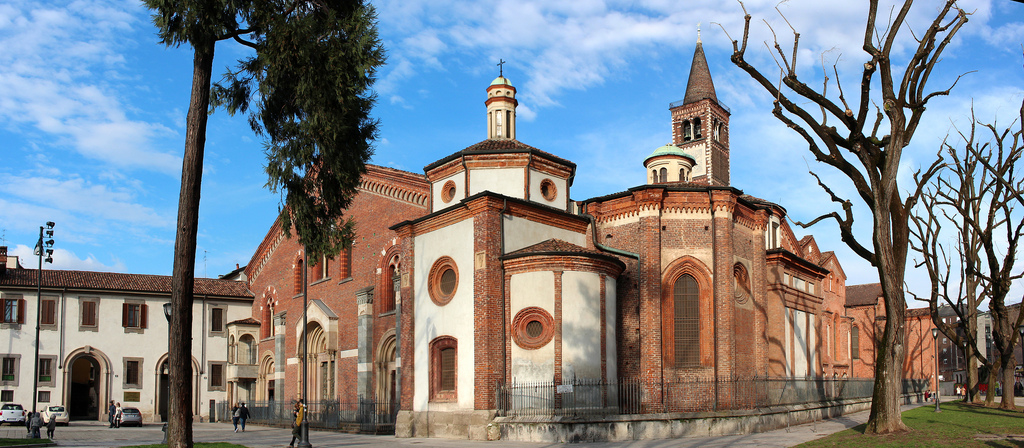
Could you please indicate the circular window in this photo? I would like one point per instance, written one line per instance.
(444, 281)
(448, 191)
(548, 190)
(532, 328)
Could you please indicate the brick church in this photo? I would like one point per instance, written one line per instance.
(483, 272)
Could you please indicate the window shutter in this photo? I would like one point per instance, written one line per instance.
(21, 311)
(124, 314)
(143, 314)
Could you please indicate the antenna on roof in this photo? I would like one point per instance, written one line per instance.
(501, 68)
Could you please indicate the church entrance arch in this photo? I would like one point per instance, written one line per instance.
(86, 377)
(386, 369)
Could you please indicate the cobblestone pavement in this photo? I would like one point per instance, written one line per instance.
(97, 434)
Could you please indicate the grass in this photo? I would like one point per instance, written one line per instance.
(958, 425)
(22, 441)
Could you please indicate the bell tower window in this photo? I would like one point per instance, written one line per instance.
(696, 128)
(687, 131)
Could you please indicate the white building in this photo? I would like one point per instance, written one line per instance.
(103, 336)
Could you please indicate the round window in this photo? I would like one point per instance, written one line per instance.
(548, 189)
(448, 191)
(444, 281)
(532, 328)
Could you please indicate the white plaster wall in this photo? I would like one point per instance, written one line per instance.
(561, 187)
(521, 232)
(507, 181)
(460, 191)
(111, 340)
(526, 290)
(800, 327)
(454, 319)
(581, 325)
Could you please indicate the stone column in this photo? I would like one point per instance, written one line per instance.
(364, 351)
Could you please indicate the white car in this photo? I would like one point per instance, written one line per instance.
(57, 412)
(12, 413)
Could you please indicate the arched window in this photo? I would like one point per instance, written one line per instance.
(854, 342)
(682, 175)
(297, 276)
(245, 353)
(696, 128)
(663, 174)
(444, 369)
(267, 323)
(686, 296)
(687, 131)
(654, 175)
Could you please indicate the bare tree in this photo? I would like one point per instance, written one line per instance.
(869, 156)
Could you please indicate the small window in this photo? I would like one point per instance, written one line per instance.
(654, 176)
(9, 367)
(444, 369)
(6, 395)
(89, 310)
(682, 175)
(48, 312)
(548, 190)
(216, 376)
(46, 371)
(448, 191)
(13, 310)
(687, 131)
(663, 174)
(696, 128)
(44, 396)
(855, 343)
(134, 316)
(216, 320)
(532, 328)
(444, 281)
(133, 372)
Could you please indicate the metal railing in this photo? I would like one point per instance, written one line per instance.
(365, 416)
(630, 396)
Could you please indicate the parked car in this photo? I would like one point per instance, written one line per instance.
(57, 412)
(12, 413)
(131, 416)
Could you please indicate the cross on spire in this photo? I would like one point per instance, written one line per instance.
(501, 67)
(698, 32)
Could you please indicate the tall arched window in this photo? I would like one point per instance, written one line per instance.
(854, 343)
(654, 175)
(246, 350)
(663, 174)
(696, 128)
(687, 321)
(687, 131)
(297, 276)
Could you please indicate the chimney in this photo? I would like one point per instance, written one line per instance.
(3, 260)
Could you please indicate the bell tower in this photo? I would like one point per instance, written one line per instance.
(700, 123)
(501, 107)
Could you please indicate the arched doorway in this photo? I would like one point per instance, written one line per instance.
(321, 364)
(85, 392)
(265, 379)
(164, 386)
(385, 366)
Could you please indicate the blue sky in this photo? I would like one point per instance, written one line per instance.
(92, 109)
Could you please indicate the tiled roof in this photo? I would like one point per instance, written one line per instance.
(500, 146)
(554, 245)
(246, 321)
(859, 295)
(113, 281)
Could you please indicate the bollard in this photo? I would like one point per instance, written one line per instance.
(164, 429)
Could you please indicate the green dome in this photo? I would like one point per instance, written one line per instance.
(501, 80)
(669, 150)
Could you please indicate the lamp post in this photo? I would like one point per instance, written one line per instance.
(41, 247)
(304, 429)
(935, 335)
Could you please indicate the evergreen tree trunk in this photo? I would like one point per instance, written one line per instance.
(179, 425)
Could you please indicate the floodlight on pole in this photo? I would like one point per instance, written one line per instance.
(41, 248)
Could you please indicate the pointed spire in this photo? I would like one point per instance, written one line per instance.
(700, 85)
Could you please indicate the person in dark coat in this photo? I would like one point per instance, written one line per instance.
(110, 413)
(51, 426)
(234, 416)
(243, 415)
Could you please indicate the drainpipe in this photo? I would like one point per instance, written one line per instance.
(714, 301)
(63, 309)
(501, 267)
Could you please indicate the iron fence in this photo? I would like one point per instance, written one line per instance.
(629, 396)
(365, 416)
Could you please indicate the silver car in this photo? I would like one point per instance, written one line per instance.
(131, 416)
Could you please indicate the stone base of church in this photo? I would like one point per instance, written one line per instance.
(615, 428)
(472, 425)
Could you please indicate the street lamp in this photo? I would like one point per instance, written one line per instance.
(41, 248)
(935, 335)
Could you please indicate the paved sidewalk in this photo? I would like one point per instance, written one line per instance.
(96, 434)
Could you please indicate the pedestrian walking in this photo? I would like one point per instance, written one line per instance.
(111, 410)
(300, 413)
(117, 415)
(51, 426)
(35, 423)
(234, 416)
(243, 415)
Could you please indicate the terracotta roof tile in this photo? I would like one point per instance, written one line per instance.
(120, 282)
(860, 295)
(501, 146)
(554, 245)
(246, 321)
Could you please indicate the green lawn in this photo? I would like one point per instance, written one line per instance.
(958, 425)
(22, 441)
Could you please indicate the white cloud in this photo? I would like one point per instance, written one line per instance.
(64, 260)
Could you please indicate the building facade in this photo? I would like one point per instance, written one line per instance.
(103, 337)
